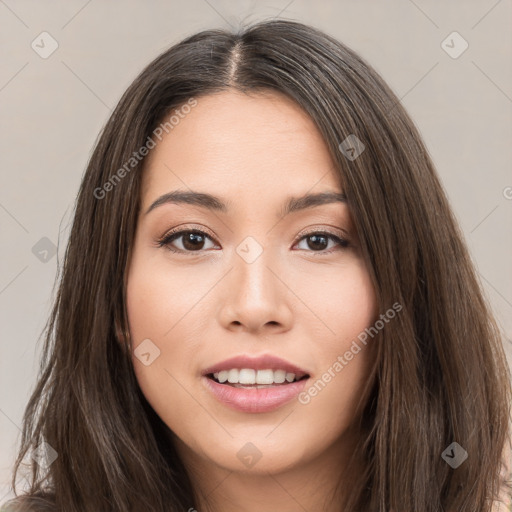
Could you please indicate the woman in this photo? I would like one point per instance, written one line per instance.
(327, 347)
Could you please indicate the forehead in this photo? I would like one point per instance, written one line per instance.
(234, 145)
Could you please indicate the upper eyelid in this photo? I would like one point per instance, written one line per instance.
(185, 229)
(338, 232)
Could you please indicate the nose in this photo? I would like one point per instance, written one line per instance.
(254, 296)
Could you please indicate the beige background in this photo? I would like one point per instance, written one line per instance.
(53, 108)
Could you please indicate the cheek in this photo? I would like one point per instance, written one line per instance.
(161, 304)
(343, 302)
(161, 298)
(346, 306)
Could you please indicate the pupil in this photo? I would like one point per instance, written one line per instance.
(188, 241)
(316, 239)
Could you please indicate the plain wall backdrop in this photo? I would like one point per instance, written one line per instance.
(65, 65)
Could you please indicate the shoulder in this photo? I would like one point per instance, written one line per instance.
(27, 503)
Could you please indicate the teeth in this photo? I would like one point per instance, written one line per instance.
(265, 377)
(280, 376)
(248, 376)
(221, 376)
(233, 376)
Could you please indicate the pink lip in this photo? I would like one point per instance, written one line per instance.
(255, 400)
(264, 362)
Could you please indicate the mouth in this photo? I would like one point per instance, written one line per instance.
(255, 385)
(247, 378)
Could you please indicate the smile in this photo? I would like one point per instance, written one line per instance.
(255, 384)
(250, 377)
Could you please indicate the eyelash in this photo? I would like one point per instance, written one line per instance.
(166, 240)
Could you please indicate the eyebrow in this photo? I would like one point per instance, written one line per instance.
(211, 202)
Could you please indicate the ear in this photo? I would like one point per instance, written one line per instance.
(121, 336)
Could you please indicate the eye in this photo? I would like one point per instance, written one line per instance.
(193, 240)
(318, 241)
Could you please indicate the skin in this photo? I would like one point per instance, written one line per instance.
(303, 302)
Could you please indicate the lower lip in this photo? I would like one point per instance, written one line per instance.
(255, 400)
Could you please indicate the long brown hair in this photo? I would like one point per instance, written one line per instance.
(440, 374)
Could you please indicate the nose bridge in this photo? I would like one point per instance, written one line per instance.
(254, 296)
(253, 277)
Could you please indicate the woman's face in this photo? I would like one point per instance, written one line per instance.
(259, 282)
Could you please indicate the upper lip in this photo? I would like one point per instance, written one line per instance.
(263, 362)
